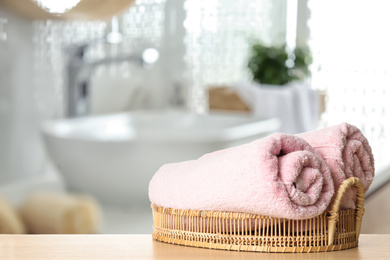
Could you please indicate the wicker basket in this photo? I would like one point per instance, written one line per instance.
(333, 230)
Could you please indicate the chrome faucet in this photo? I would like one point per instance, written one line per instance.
(79, 72)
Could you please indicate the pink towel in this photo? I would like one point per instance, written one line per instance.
(347, 153)
(279, 176)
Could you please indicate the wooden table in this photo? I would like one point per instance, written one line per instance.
(143, 247)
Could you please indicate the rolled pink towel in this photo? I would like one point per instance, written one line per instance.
(347, 153)
(279, 176)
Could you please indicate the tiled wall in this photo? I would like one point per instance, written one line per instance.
(21, 153)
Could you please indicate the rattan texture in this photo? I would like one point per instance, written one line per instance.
(333, 230)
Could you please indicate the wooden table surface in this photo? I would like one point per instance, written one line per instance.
(143, 247)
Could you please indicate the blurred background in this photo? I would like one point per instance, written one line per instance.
(96, 95)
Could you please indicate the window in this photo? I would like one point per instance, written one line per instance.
(350, 43)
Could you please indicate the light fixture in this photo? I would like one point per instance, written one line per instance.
(57, 6)
(67, 9)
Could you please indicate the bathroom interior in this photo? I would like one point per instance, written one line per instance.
(95, 96)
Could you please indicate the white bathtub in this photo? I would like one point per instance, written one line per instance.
(114, 157)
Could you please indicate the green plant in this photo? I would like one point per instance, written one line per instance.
(275, 66)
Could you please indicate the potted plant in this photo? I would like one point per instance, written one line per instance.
(274, 65)
(279, 88)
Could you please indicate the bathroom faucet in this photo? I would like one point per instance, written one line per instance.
(80, 71)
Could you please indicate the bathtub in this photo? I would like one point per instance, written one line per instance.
(113, 157)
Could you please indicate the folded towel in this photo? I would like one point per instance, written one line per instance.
(57, 213)
(279, 176)
(347, 153)
(296, 105)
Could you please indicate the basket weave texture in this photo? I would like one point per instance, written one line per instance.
(333, 230)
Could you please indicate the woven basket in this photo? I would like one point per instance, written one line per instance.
(333, 230)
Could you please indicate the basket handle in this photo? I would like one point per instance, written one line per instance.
(359, 211)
